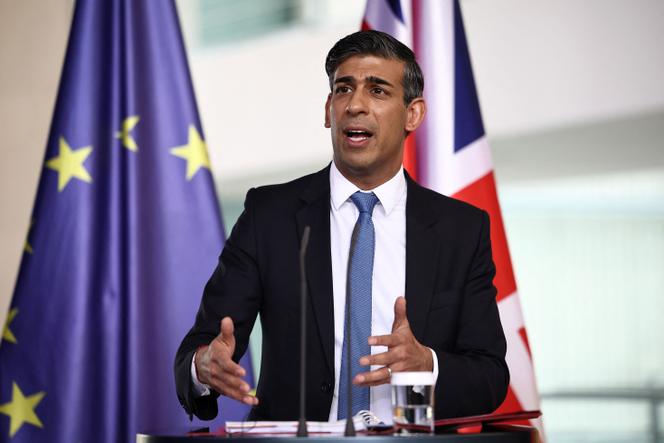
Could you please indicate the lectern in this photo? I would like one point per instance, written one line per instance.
(490, 434)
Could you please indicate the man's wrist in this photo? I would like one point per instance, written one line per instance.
(200, 389)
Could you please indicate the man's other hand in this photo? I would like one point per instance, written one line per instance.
(404, 352)
(215, 367)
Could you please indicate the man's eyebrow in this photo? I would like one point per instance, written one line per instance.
(378, 81)
(370, 79)
(345, 79)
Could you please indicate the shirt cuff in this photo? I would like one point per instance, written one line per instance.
(201, 389)
(435, 366)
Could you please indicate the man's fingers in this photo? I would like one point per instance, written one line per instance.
(236, 394)
(250, 400)
(221, 355)
(372, 378)
(217, 369)
(233, 387)
(383, 359)
(227, 332)
(389, 340)
(230, 368)
(214, 362)
(230, 382)
(239, 395)
(400, 318)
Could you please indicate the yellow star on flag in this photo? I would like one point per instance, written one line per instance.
(6, 332)
(127, 140)
(195, 152)
(21, 410)
(69, 163)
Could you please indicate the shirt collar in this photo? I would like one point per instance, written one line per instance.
(389, 193)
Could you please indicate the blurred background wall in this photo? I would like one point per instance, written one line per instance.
(572, 95)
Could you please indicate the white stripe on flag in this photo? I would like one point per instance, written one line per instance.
(436, 57)
(466, 166)
(518, 356)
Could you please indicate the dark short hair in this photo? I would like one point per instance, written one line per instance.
(382, 45)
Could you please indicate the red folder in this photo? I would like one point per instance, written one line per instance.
(477, 420)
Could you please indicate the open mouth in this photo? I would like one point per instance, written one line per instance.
(358, 135)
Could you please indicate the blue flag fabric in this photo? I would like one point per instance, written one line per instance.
(125, 231)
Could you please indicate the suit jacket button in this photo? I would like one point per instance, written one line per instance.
(325, 387)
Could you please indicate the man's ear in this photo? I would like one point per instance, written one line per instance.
(415, 114)
(327, 111)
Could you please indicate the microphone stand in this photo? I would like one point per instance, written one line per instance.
(302, 423)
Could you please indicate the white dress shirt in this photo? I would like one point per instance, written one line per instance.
(389, 272)
(389, 276)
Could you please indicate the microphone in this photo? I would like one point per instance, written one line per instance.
(302, 424)
(350, 426)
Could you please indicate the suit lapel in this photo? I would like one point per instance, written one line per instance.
(421, 256)
(315, 213)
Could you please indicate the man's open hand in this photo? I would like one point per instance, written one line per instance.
(404, 352)
(215, 367)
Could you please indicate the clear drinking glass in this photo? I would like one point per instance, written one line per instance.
(412, 402)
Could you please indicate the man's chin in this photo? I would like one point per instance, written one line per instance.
(356, 167)
(358, 159)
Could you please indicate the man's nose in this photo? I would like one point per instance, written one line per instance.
(356, 103)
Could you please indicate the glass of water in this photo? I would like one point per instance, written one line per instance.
(412, 402)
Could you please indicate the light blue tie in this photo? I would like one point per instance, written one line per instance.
(360, 266)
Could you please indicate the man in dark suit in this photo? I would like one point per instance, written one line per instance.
(431, 248)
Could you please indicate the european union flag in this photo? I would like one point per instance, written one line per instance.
(125, 231)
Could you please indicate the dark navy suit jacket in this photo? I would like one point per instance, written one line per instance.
(450, 297)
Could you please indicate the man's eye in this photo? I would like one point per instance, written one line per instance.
(342, 89)
(377, 90)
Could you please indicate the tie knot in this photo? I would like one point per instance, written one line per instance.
(365, 201)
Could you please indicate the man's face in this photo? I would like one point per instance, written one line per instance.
(369, 120)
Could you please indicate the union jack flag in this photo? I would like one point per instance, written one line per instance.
(450, 154)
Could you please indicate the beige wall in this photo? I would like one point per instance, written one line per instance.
(33, 36)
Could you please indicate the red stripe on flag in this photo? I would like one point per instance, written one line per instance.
(410, 156)
(482, 193)
(524, 337)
